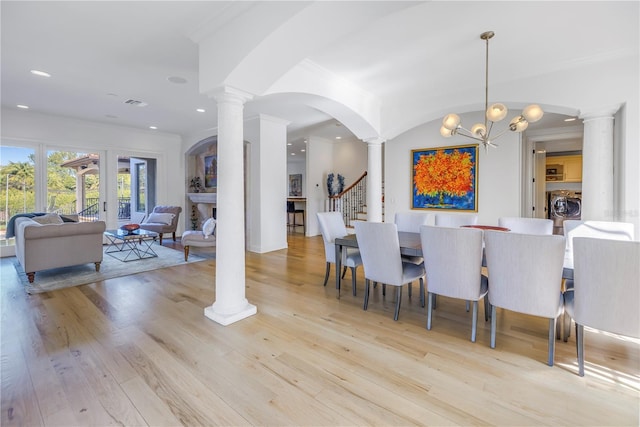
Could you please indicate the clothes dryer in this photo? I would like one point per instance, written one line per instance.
(563, 204)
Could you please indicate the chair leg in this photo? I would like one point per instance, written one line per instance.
(580, 348)
(399, 299)
(174, 236)
(410, 289)
(366, 294)
(160, 239)
(344, 271)
(552, 340)
(422, 292)
(353, 280)
(559, 322)
(384, 290)
(186, 253)
(493, 326)
(435, 301)
(486, 307)
(429, 310)
(326, 274)
(474, 321)
(466, 305)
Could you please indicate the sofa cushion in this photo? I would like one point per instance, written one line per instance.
(208, 227)
(160, 218)
(50, 218)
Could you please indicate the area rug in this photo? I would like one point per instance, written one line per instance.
(58, 278)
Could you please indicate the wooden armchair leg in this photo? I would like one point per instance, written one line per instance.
(186, 253)
(97, 266)
(160, 239)
(31, 277)
(174, 236)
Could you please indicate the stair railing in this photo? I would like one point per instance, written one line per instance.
(351, 201)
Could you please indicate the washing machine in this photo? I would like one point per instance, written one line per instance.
(562, 205)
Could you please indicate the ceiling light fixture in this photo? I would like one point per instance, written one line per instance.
(338, 137)
(200, 110)
(153, 127)
(24, 107)
(494, 113)
(40, 73)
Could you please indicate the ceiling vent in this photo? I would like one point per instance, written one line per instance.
(135, 103)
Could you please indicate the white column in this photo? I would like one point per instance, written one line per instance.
(267, 201)
(597, 165)
(230, 304)
(374, 180)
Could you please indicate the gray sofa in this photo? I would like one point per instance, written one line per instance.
(44, 246)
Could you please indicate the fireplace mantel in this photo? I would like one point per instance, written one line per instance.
(210, 198)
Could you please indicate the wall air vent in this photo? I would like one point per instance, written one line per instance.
(135, 103)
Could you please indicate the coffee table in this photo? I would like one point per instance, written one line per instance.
(130, 245)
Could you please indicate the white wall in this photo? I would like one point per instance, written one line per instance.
(110, 141)
(349, 159)
(319, 165)
(499, 171)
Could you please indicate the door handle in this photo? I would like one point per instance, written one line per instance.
(104, 206)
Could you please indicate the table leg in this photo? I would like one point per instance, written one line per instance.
(338, 268)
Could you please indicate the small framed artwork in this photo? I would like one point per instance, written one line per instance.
(295, 185)
(210, 171)
(445, 178)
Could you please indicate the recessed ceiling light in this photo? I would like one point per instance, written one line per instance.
(200, 110)
(570, 119)
(303, 150)
(293, 154)
(153, 127)
(24, 107)
(288, 143)
(177, 80)
(338, 137)
(40, 73)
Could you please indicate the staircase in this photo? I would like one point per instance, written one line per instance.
(352, 202)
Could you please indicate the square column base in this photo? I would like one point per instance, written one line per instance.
(228, 318)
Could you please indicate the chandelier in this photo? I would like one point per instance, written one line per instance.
(494, 113)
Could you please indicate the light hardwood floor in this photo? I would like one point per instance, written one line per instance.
(138, 350)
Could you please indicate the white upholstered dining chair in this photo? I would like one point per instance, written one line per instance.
(380, 250)
(332, 227)
(527, 225)
(453, 264)
(411, 222)
(455, 220)
(606, 289)
(525, 275)
(611, 230)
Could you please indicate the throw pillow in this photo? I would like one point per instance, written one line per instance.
(208, 227)
(160, 218)
(50, 218)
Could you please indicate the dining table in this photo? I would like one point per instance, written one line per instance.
(411, 245)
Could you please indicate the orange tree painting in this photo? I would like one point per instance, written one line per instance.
(445, 178)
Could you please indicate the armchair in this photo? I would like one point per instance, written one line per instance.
(163, 219)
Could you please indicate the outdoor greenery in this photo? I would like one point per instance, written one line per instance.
(18, 185)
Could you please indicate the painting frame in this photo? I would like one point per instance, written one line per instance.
(445, 178)
(210, 171)
(295, 185)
